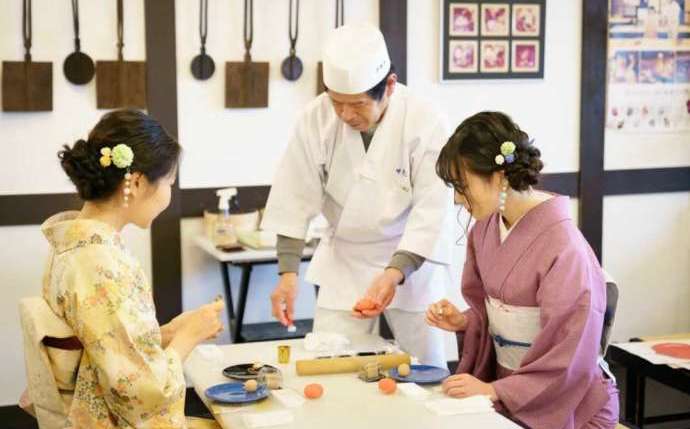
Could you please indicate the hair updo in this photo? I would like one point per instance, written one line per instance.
(476, 143)
(156, 154)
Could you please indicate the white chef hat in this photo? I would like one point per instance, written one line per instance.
(355, 59)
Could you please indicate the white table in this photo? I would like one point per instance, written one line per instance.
(347, 402)
(245, 259)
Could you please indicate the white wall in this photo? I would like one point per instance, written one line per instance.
(646, 248)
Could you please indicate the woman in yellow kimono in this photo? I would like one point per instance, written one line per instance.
(130, 374)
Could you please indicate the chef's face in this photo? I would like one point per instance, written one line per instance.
(360, 111)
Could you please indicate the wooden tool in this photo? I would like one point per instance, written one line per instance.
(246, 82)
(78, 67)
(120, 83)
(292, 66)
(27, 86)
(339, 365)
(339, 20)
(203, 66)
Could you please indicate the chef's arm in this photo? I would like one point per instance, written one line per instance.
(406, 262)
(289, 254)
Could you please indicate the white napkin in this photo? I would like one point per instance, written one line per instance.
(209, 352)
(453, 406)
(324, 341)
(267, 419)
(413, 391)
(289, 398)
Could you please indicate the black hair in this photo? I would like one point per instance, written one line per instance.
(156, 153)
(475, 144)
(377, 92)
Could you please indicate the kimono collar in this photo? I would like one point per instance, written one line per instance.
(547, 213)
(501, 258)
(65, 232)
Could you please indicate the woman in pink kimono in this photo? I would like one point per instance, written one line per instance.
(535, 290)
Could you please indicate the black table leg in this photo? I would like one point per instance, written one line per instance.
(639, 417)
(242, 302)
(227, 289)
(630, 395)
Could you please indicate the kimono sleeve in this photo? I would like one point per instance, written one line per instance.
(474, 340)
(114, 318)
(557, 371)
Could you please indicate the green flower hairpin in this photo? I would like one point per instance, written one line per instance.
(507, 154)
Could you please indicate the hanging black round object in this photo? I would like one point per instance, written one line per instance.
(203, 66)
(292, 66)
(78, 67)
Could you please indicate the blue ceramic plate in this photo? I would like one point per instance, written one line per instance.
(421, 374)
(234, 393)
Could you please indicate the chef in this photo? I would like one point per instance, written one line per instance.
(363, 155)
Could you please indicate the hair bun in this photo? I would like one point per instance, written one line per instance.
(524, 171)
(81, 163)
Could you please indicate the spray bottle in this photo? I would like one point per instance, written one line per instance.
(224, 234)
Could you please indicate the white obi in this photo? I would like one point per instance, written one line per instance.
(513, 330)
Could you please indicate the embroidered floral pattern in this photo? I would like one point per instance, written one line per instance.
(125, 379)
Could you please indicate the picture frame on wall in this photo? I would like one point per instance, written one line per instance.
(463, 19)
(464, 56)
(492, 39)
(495, 19)
(494, 56)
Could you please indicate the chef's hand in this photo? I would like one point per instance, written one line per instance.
(283, 298)
(379, 295)
(446, 316)
(465, 385)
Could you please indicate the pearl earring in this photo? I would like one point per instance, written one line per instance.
(502, 197)
(128, 190)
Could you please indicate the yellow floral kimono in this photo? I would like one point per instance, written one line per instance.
(126, 379)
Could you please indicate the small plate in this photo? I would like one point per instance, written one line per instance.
(421, 374)
(245, 371)
(234, 393)
(676, 350)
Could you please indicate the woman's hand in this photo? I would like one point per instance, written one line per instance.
(465, 385)
(446, 316)
(199, 325)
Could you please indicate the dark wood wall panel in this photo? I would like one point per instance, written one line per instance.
(166, 242)
(592, 117)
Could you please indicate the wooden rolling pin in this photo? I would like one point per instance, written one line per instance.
(341, 365)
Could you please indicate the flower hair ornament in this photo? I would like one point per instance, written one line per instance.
(121, 156)
(507, 155)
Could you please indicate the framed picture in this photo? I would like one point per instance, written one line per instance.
(464, 56)
(526, 20)
(525, 56)
(463, 19)
(494, 56)
(493, 39)
(495, 19)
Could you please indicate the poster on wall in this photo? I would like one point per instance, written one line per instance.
(492, 39)
(648, 66)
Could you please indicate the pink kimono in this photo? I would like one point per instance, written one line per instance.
(545, 262)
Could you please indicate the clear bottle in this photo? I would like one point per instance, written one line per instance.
(224, 235)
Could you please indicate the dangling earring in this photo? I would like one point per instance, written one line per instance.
(128, 190)
(502, 197)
